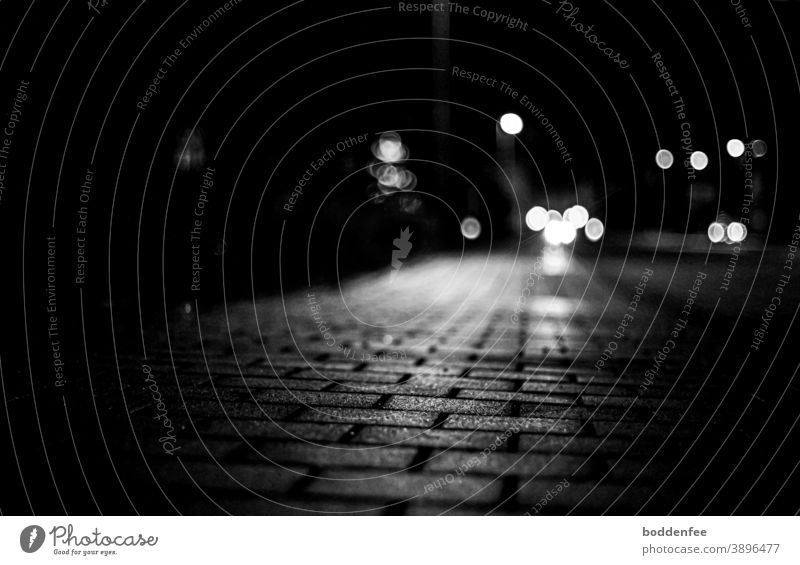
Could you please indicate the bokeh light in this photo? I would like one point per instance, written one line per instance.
(391, 151)
(389, 148)
(737, 232)
(759, 148)
(536, 218)
(664, 158)
(735, 148)
(558, 229)
(594, 229)
(552, 234)
(699, 160)
(577, 216)
(559, 233)
(388, 175)
(511, 123)
(392, 178)
(470, 227)
(567, 232)
(716, 232)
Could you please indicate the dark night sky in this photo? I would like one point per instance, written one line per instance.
(279, 100)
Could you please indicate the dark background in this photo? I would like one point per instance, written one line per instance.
(261, 86)
(285, 88)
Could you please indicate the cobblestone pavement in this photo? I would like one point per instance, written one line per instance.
(428, 393)
(448, 388)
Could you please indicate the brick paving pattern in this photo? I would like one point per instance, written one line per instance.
(280, 421)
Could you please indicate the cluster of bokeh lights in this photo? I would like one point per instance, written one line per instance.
(389, 152)
(719, 231)
(699, 160)
(730, 233)
(562, 229)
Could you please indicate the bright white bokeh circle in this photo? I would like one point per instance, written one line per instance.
(699, 160)
(567, 232)
(577, 216)
(536, 219)
(664, 158)
(735, 148)
(737, 232)
(716, 232)
(470, 228)
(594, 229)
(511, 124)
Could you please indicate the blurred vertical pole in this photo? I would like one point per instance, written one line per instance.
(440, 31)
(506, 147)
